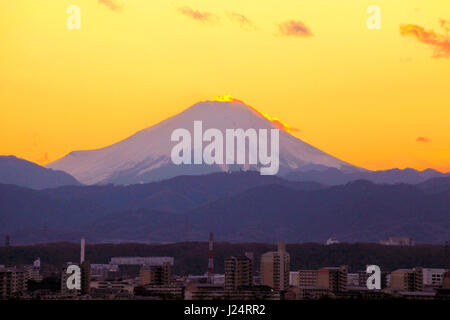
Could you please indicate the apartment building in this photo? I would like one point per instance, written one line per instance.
(333, 278)
(275, 268)
(238, 272)
(13, 282)
(407, 279)
(155, 275)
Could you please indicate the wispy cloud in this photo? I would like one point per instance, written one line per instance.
(294, 28)
(242, 20)
(445, 24)
(112, 4)
(422, 139)
(197, 15)
(440, 42)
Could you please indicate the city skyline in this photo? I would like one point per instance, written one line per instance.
(151, 277)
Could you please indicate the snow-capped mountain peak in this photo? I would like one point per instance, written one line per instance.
(146, 155)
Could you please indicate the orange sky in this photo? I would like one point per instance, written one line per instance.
(375, 98)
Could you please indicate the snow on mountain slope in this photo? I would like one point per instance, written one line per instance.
(145, 156)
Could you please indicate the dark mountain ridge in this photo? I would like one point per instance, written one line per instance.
(31, 175)
(242, 206)
(333, 176)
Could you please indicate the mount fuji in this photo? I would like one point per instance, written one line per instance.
(146, 155)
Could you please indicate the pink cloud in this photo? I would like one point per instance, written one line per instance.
(112, 4)
(294, 28)
(445, 24)
(242, 20)
(197, 15)
(422, 139)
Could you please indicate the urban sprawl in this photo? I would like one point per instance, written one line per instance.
(151, 278)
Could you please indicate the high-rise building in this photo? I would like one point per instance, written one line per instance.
(13, 282)
(353, 280)
(275, 268)
(238, 272)
(65, 291)
(33, 273)
(363, 276)
(307, 277)
(155, 275)
(303, 278)
(334, 279)
(145, 275)
(407, 279)
(293, 278)
(85, 277)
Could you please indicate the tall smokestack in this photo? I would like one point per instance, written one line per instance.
(281, 247)
(82, 250)
(210, 260)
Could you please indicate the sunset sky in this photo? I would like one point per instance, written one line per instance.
(378, 99)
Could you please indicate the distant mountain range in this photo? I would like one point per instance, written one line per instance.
(24, 173)
(31, 175)
(333, 176)
(240, 206)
